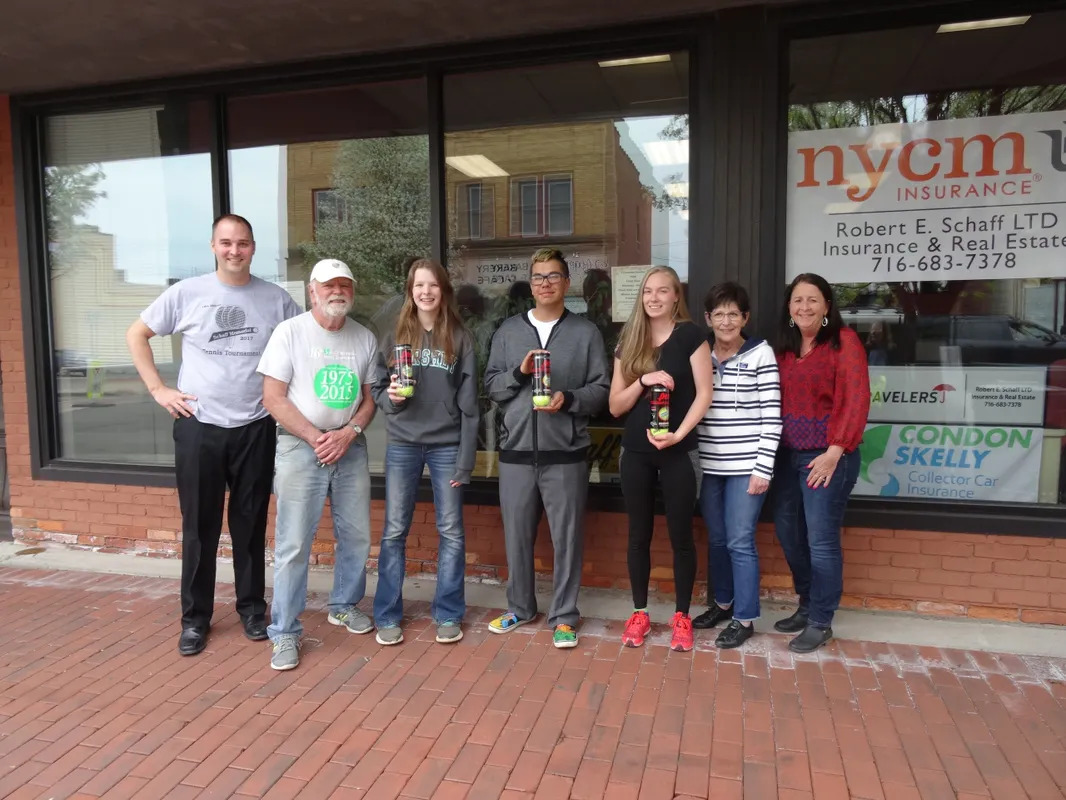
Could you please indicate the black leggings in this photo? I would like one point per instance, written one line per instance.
(676, 471)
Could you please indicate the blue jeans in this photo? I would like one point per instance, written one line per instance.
(731, 514)
(808, 526)
(403, 470)
(302, 488)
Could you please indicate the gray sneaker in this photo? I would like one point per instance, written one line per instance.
(351, 618)
(389, 634)
(449, 631)
(286, 653)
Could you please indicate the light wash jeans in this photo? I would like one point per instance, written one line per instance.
(403, 470)
(302, 488)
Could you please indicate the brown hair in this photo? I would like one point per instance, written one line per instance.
(448, 327)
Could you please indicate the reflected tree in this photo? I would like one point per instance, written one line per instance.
(69, 192)
(384, 186)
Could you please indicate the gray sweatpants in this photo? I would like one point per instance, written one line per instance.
(560, 489)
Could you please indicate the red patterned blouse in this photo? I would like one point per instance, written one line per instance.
(825, 396)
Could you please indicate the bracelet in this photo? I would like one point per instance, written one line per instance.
(640, 380)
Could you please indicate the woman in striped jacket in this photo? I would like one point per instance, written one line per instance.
(738, 441)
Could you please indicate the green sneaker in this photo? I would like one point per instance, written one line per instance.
(285, 653)
(351, 618)
(564, 636)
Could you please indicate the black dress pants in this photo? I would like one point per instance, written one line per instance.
(208, 460)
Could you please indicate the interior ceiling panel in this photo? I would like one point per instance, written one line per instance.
(915, 60)
(50, 44)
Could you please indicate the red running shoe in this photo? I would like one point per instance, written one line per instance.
(682, 638)
(638, 626)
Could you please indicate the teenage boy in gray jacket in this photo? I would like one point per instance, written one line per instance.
(544, 451)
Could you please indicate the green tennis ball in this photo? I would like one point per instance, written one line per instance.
(541, 400)
(660, 431)
(406, 391)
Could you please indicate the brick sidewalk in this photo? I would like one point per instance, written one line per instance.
(96, 702)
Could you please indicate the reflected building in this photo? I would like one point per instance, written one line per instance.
(98, 304)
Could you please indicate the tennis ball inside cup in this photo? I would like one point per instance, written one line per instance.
(541, 400)
(406, 391)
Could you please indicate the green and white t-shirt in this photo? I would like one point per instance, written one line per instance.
(327, 371)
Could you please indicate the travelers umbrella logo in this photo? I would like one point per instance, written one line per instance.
(230, 321)
(943, 388)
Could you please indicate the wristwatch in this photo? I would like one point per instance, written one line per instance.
(355, 427)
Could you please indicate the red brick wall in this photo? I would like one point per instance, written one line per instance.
(933, 573)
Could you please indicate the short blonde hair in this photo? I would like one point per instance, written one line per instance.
(550, 254)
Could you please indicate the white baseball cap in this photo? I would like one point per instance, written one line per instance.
(329, 268)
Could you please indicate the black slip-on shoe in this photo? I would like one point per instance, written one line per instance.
(255, 627)
(794, 624)
(712, 617)
(734, 635)
(811, 639)
(192, 641)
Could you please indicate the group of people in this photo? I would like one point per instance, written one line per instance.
(272, 398)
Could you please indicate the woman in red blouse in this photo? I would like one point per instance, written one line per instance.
(825, 399)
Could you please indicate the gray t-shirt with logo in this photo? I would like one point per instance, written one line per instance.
(327, 371)
(224, 330)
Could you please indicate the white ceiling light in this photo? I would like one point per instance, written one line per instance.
(979, 24)
(671, 151)
(476, 166)
(629, 62)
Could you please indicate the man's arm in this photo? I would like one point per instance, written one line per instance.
(590, 399)
(172, 400)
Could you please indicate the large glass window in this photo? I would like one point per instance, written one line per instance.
(927, 182)
(128, 207)
(589, 157)
(336, 173)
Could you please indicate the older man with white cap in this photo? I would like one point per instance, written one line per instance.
(315, 369)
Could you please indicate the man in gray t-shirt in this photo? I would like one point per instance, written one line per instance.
(223, 435)
(316, 370)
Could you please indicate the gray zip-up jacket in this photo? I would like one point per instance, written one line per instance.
(578, 370)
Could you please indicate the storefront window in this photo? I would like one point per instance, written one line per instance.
(336, 173)
(927, 182)
(128, 211)
(588, 157)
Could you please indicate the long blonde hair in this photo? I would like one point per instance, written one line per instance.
(448, 327)
(635, 349)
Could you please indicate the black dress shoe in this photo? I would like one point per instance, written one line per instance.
(712, 617)
(811, 639)
(255, 627)
(192, 641)
(793, 624)
(734, 635)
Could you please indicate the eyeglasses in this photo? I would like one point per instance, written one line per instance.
(552, 278)
(722, 316)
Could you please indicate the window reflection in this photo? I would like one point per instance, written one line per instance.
(337, 173)
(124, 221)
(963, 328)
(587, 158)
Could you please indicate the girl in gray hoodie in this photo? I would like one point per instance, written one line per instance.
(436, 426)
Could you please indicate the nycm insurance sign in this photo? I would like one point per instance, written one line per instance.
(959, 199)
